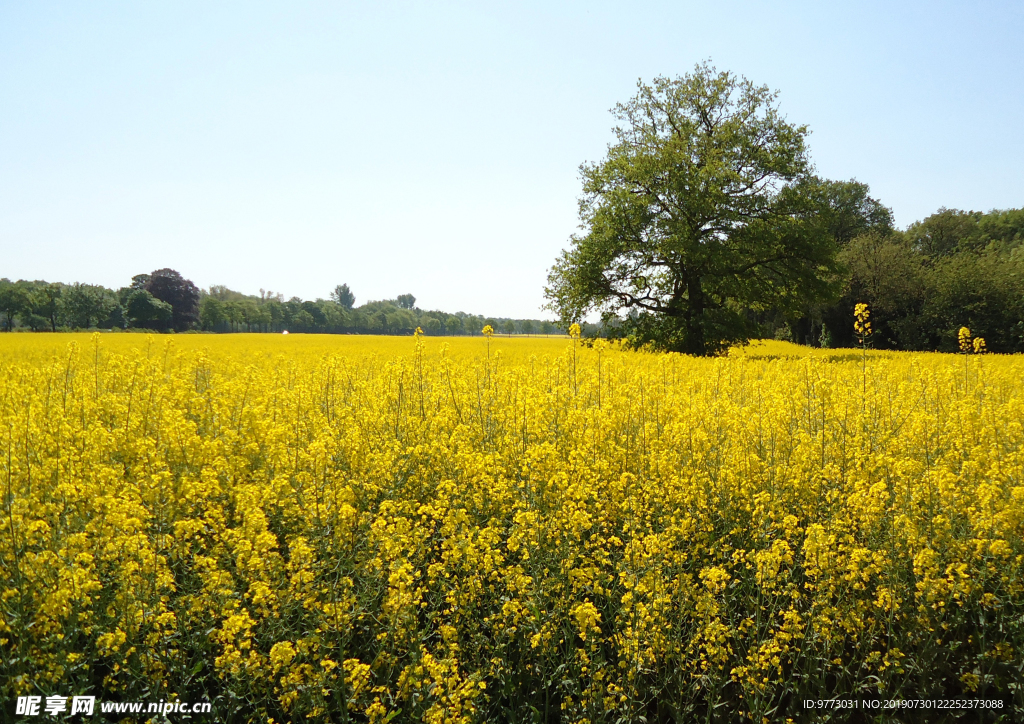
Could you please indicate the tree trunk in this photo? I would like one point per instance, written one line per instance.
(695, 344)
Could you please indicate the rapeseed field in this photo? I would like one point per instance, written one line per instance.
(373, 529)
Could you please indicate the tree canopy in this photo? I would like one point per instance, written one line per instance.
(697, 216)
(170, 287)
(145, 311)
(343, 296)
(952, 269)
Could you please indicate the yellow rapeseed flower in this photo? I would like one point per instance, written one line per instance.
(320, 525)
(964, 339)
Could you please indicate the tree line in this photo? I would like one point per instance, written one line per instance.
(224, 310)
(953, 269)
(164, 301)
(704, 226)
(161, 300)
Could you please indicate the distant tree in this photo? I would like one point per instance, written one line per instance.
(276, 310)
(211, 313)
(343, 296)
(86, 305)
(983, 291)
(232, 314)
(290, 309)
(169, 286)
(145, 311)
(117, 319)
(303, 320)
(36, 322)
(46, 302)
(358, 320)
(335, 315)
(259, 317)
(1002, 230)
(224, 294)
(140, 281)
(510, 326)
(376, 321)
(950, 231)
(945, 232)
(527, 327)
(886, 273)
(406, 301)
(316, 313)
(403, 320)
(250, 312)
(14, 301)
(846, 208)
(432, 325)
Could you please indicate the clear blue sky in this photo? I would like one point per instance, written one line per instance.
(433, 148)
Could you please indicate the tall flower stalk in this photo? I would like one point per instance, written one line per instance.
(967, 346)
(574, 332)
(862, 326)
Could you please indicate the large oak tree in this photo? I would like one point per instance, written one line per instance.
(697, 216)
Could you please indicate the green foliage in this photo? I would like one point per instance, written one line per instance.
(702, 211)
(14, 300)
(181, 294)
(303, 321)
(951, 231)
(432, 325)
(886, 273)
(211, 313)
(846, 208)
(86, 305)
(406, 301)
(343, 296)
(982, 291)
(46, 302)
(952, 269)
(144, 310)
